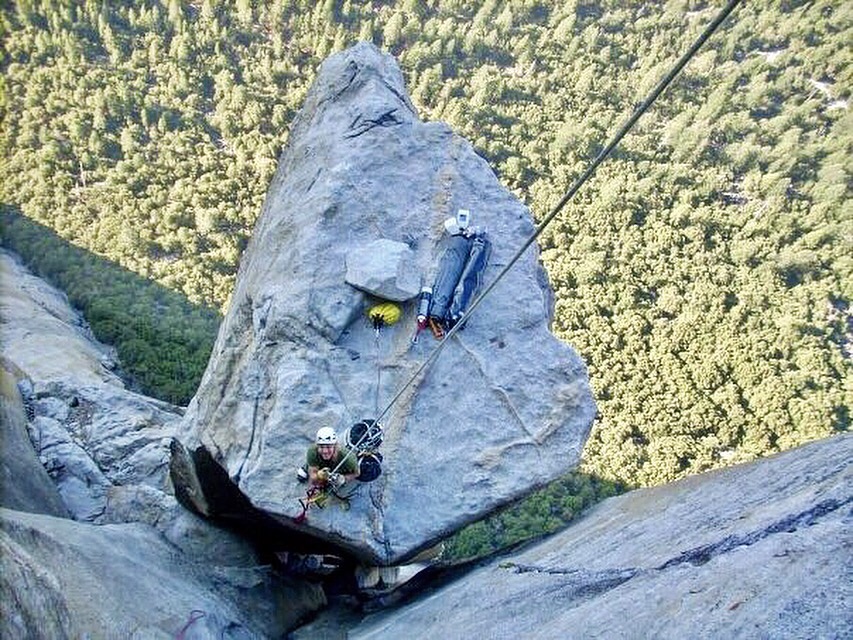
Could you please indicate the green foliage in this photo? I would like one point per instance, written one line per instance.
(541, 513)
(704, 274)
(163, 341)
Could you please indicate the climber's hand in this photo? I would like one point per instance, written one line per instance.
(337, 480)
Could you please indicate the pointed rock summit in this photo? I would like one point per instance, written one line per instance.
(504, 408)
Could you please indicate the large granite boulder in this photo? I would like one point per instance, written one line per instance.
(505, 408)
(384, 268)
(756, 551)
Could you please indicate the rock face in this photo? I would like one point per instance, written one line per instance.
(148, 563)
(756, 551)
(92, 433)
(43, 336)
(24, 483)
(505, 408)
(65, 579)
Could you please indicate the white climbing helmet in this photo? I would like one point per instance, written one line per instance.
(326, 435)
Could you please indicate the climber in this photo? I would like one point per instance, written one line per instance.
(327, 465)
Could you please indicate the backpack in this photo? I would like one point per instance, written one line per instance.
(369, 466)
(364, 438)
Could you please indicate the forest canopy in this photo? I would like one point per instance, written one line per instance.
(704, 274)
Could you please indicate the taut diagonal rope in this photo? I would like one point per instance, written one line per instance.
(617, 137)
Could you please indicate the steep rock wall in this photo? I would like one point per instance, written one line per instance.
(134, 563)
(761, 550)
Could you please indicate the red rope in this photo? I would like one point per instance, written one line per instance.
(307, 502)
(195, 615)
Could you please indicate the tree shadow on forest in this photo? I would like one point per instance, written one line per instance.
(162, 339)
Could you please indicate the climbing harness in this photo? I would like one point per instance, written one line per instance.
(581, 180)
(313, 496)
(318, 496)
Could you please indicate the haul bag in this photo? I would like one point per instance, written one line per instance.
(471, 278)
(450, 267)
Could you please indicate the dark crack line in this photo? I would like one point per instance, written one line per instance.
(701, 555)
(360, 126)
(580, 583)
(353, 69)
(376, 496)
(583, 584)
(251, 439)
(402, 97)
(314, 179)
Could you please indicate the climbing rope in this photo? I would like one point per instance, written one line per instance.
(381, 315)
(378, 374)
(603, 154)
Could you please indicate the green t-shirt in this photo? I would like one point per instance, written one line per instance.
(314, 460)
